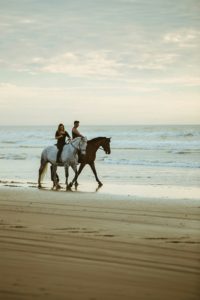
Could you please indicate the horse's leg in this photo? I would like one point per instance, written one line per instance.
(55, 183)
(42, 168)
(74, 167)
(57, 178)
(79, 172)
(67, 176)
(92, 165)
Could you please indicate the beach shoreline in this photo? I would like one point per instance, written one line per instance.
(57, 245)
(173, 192)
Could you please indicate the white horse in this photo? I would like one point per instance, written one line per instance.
(69, 158)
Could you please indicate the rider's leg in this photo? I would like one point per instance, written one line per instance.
(80, 157)
(59, 154)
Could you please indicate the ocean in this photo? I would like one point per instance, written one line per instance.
(157, 161)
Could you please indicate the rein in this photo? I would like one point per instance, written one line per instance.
(100, 147)
(74, 146)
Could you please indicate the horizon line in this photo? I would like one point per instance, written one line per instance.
(139, 124)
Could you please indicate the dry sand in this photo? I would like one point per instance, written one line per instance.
(58, 245)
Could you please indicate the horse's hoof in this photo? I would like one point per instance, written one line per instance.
(68, 189)
(39, 186)
(58, 187)
(100, 183)
(76, 184)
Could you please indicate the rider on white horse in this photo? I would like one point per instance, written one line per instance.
(61, 135)
(68, 159)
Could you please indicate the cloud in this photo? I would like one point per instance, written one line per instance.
(61, 44)
(12, 91)
(183, 38)
(154, 61)
(187, 81)
(79, 64)
(26, 21)
(99, 64)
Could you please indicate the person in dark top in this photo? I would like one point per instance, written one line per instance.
(75, 132)
(61, 135)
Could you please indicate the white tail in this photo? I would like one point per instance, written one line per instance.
(44, 171)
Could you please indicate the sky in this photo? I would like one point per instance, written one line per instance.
(103, 62)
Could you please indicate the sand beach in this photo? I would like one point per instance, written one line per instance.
(79, 245)
(125, 75)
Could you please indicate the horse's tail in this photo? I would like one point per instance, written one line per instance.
(44, 170)
(43, 165)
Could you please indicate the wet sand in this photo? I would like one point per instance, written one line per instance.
(64, 245)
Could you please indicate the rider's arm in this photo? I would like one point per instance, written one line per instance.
(67, 134)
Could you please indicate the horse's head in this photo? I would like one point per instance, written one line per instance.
(83, 145)
(106, 145)
(80, 143)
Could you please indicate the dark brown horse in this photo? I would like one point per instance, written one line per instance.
(90, 156)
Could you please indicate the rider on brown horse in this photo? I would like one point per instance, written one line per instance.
(75, 134)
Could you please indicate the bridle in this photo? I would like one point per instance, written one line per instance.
(76, 148)
(101, 147)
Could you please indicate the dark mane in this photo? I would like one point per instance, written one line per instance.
(96, 139)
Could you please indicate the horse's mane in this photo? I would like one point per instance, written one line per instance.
(96, 139)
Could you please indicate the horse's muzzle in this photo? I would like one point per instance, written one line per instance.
(83, 152)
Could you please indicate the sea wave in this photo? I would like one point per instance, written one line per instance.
(22, 156)
(13, 156)
(171, 138)
(156, 145)
(9, 142)
(152, 163)
(148, 132)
